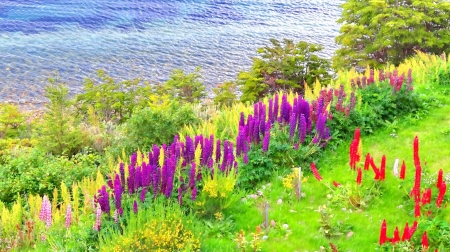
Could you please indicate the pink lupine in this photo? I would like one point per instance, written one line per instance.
(46, 212)
(439, 179)
(68, 216)
(98, 215)
(315, 172)
(442, 190)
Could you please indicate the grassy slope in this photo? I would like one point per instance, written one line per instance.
(434, 137)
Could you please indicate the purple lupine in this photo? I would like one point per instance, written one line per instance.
(245, 158)
(262, 119)
(409, 80)
(352, 104)
(320, 126)
(271, 110)
(103, 200)
(130, 180)
(364, 81)
(239, 140)
(265, 145)
(118, 192)
(146, 175)
(275, 109)
(169, 186)
(156, 181)
(292, 126)
(194, 193)
(192, 175)
(302, 130)
(218, 151)
(242, 120)
(138, 177)
(190, 150)
(135, 207)
(156, 152)
(255, 134)
(116, 216)
(143, 194)
(110, 182)
(210, 163)
(133, 159)
(256, 110)
(122, 174)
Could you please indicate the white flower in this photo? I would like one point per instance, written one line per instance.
(396, 167)
(285, 226)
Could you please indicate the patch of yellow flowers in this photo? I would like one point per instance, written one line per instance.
(162, 236)
(221, 186)
(291, 179)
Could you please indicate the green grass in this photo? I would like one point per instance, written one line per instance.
(394, 205)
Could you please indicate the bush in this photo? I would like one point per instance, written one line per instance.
(34, 172)
(155, 125)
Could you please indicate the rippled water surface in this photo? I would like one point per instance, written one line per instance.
(146, 38)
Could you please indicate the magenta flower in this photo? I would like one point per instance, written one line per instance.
(46, 211)
(135, 207)
(98, 215)
(68, 216)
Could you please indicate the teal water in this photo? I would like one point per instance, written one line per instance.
(146, 38)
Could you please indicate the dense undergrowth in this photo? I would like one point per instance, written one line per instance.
(241, 179)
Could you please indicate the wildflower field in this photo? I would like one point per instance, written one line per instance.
(359, 164)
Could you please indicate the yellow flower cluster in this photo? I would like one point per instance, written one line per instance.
(221, 186)
(218, 216)
(291, 179)
(160, 235)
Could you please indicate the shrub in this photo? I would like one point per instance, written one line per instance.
(10, 120)
(155, 125)
(34, 172)
(185, 87)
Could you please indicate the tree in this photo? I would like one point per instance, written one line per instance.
(112, 100)
(57, 132)
(225, 93)
(10, 118)
(375, 33)
(282, 66)
(185, 87)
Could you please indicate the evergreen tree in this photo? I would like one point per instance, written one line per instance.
(58, 134)
(377, 32)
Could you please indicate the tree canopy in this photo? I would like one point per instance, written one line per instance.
(282, 66)
(377, 32)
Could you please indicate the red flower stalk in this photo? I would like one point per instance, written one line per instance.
(417, 209)
(367, 162)
(383, 168)
(357, 135)
(396, 236)
(355, 156)
(359, 177)
(413, 229)
(315, 172)
(416, 189)
(439, 180)
(416, 152)
(425, 241)
(405, 235)
(426, 196)
(375, 169)
(441, 195)
(383, 237)
(336, 184)
(403, 170)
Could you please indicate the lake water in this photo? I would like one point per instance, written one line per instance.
(146, 38)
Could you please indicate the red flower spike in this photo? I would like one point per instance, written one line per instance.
(375, 169)
(426, 196)
(442, 191)
(383, 237)
(359, 177)
(315, 172)
(416, 152)
(336, 184)
(405, 235)
(417, 210)
(413, 229)
(367, 162)
(357, 135)
(439, 180)
(425, 240)
(403, 170)
(383, 168)
(396, 236)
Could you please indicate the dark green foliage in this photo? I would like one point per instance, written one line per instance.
(281, 156)
(185, 87)
(283, 66)
(57, 132)
(111, 100)
(375, 33)
(156, 125)
(33, 172)
(225, 94)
